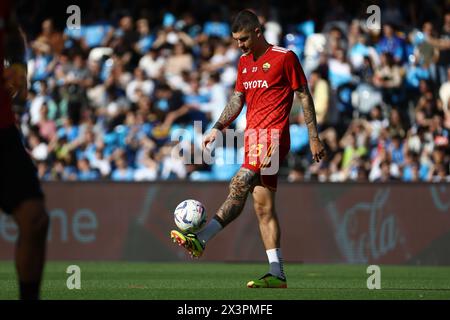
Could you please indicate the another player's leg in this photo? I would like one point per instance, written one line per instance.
(240, 186)
(32, 221)
(264, 204)
(21, 196)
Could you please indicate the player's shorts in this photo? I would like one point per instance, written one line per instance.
(18, 175)
(265, 158)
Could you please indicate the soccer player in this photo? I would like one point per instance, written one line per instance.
(268, 77)
(20, 192)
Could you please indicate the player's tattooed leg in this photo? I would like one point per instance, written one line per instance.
(241, 184)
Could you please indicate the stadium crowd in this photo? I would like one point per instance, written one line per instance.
(105, 99)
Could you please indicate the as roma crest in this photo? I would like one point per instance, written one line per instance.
(266, 67)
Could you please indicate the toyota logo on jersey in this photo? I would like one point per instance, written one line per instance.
(255, 84)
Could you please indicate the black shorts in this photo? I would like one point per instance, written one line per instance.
(18, 175)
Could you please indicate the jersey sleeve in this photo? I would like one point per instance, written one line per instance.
(239, 86)
(294, 71)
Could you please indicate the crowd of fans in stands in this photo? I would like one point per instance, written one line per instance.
(105, 99)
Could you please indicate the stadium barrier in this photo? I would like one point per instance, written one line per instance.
(321, 223)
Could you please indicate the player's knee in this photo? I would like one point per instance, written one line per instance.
(263, 211)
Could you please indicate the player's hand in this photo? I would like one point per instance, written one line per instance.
(317, 149)
(16, 80)
(210, 137)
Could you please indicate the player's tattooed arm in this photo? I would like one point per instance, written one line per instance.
(241, 184)
(309, 111)
(231, 111)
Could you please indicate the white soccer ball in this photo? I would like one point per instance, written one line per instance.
(190, 216)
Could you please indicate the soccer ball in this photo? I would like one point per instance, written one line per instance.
(190, 216)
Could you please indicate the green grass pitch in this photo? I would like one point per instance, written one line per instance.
(226, 281)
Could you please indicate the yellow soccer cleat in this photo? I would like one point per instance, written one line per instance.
(268, 281)
(189, 241)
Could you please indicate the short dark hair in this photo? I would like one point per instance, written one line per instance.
(245, 20)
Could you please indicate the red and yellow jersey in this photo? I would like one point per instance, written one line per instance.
(6, 114)
(269, 84)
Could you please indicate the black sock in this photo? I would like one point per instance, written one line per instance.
(29, 290)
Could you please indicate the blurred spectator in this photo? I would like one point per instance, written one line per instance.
(335, 41)
(443, 45)
(352, 149)
(146, 39)
(396, 127)
(100, 163)
(85, 173)
(427, 53)
(377, 123)
(217, 97)
(321, 94)
(391, 43)
(124, 42)
(168, 35)
(181, 60)
(166, 100)
(388, 77)
(444, 92)
(122, 172)
(188, 25)
(152, 63)
(51, 37)
(38, 101)
(172, 164)
(149, 169)
(40, 64)
(47, 127)
(339, 69)
(139, 83)
(384, 172)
